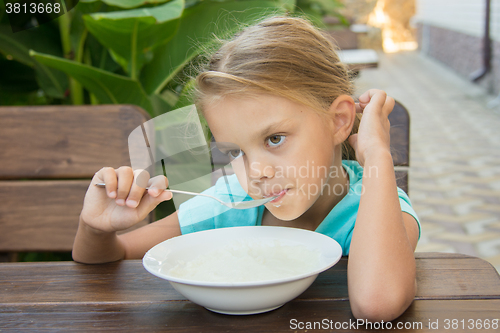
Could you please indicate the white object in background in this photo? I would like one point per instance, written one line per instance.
(494, 102)
(363, 57)
(359, 28)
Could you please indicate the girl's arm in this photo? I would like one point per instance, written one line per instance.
(93, 246)
(121, 205)
(381, 266)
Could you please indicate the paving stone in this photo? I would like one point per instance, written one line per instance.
(454, 175)
(461, 219)
(471, 239)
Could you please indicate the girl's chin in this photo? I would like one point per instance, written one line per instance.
(283, 215)
(285, 212)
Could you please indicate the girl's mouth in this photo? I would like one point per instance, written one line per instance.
(280, 196)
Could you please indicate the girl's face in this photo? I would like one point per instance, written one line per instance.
(287, 149)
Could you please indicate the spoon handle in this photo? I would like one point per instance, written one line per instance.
(176, 191)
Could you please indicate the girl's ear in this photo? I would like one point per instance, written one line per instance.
(343, 113)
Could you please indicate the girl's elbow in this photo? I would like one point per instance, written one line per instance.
(382, 306)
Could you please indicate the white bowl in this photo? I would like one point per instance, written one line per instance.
(240, 297)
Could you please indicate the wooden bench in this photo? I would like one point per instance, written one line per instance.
(49, 154)
(359, 59)
(350, 53)
(400, 144)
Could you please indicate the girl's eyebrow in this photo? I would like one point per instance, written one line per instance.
(272, 127)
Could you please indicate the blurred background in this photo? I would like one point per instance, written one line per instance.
(439, 58)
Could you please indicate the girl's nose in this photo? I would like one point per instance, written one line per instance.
(260, 170)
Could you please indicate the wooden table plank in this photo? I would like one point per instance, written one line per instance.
(127, 281)
(183, 316)
(123, 297)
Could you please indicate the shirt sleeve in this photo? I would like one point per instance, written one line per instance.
(406, 207)
(197, 214)
(202, 213)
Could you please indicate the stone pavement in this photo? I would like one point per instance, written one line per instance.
(454, 179)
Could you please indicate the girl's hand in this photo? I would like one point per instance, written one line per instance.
(373, 135)
(123, 203)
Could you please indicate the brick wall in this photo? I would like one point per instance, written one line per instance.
(460, 51)
(451, 31)
(465, 16)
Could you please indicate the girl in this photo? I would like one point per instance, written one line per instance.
(279, 93)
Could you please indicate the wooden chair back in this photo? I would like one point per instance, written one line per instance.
(400, 143)
(345, 38)
(49, 154)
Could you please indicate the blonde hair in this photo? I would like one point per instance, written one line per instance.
(283, 56)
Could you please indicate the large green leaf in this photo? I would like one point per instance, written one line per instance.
(196, 29)
(52, 81)
(16, 77)
(131, 34)
(160, 105)
(106, 86)
(127, 3)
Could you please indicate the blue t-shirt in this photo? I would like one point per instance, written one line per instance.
(202, 213)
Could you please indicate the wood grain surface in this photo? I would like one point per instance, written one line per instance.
(49, 154)
(65, 141)
(122, 296)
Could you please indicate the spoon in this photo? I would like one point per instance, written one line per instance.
(235, 205)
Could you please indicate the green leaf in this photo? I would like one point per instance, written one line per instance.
(128, 3)
(160, 105)
(289, 5)
(53, 82)
(10, 47)
(107, 87)
(17, 77)
(100, 56)
(185, 95)
(196, 29)
(131, 34)
(315, 10)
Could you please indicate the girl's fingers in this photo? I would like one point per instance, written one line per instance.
(359, 107)
(108, 176)
(374, 97)
(157, 185)
(379, 102)
(389, 105)
(148, 202)
(136, 190)
(125, 179)
(366, 97)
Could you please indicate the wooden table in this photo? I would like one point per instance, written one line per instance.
(122, 296)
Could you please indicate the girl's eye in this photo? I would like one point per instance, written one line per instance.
(275, 140)
(235, 153)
